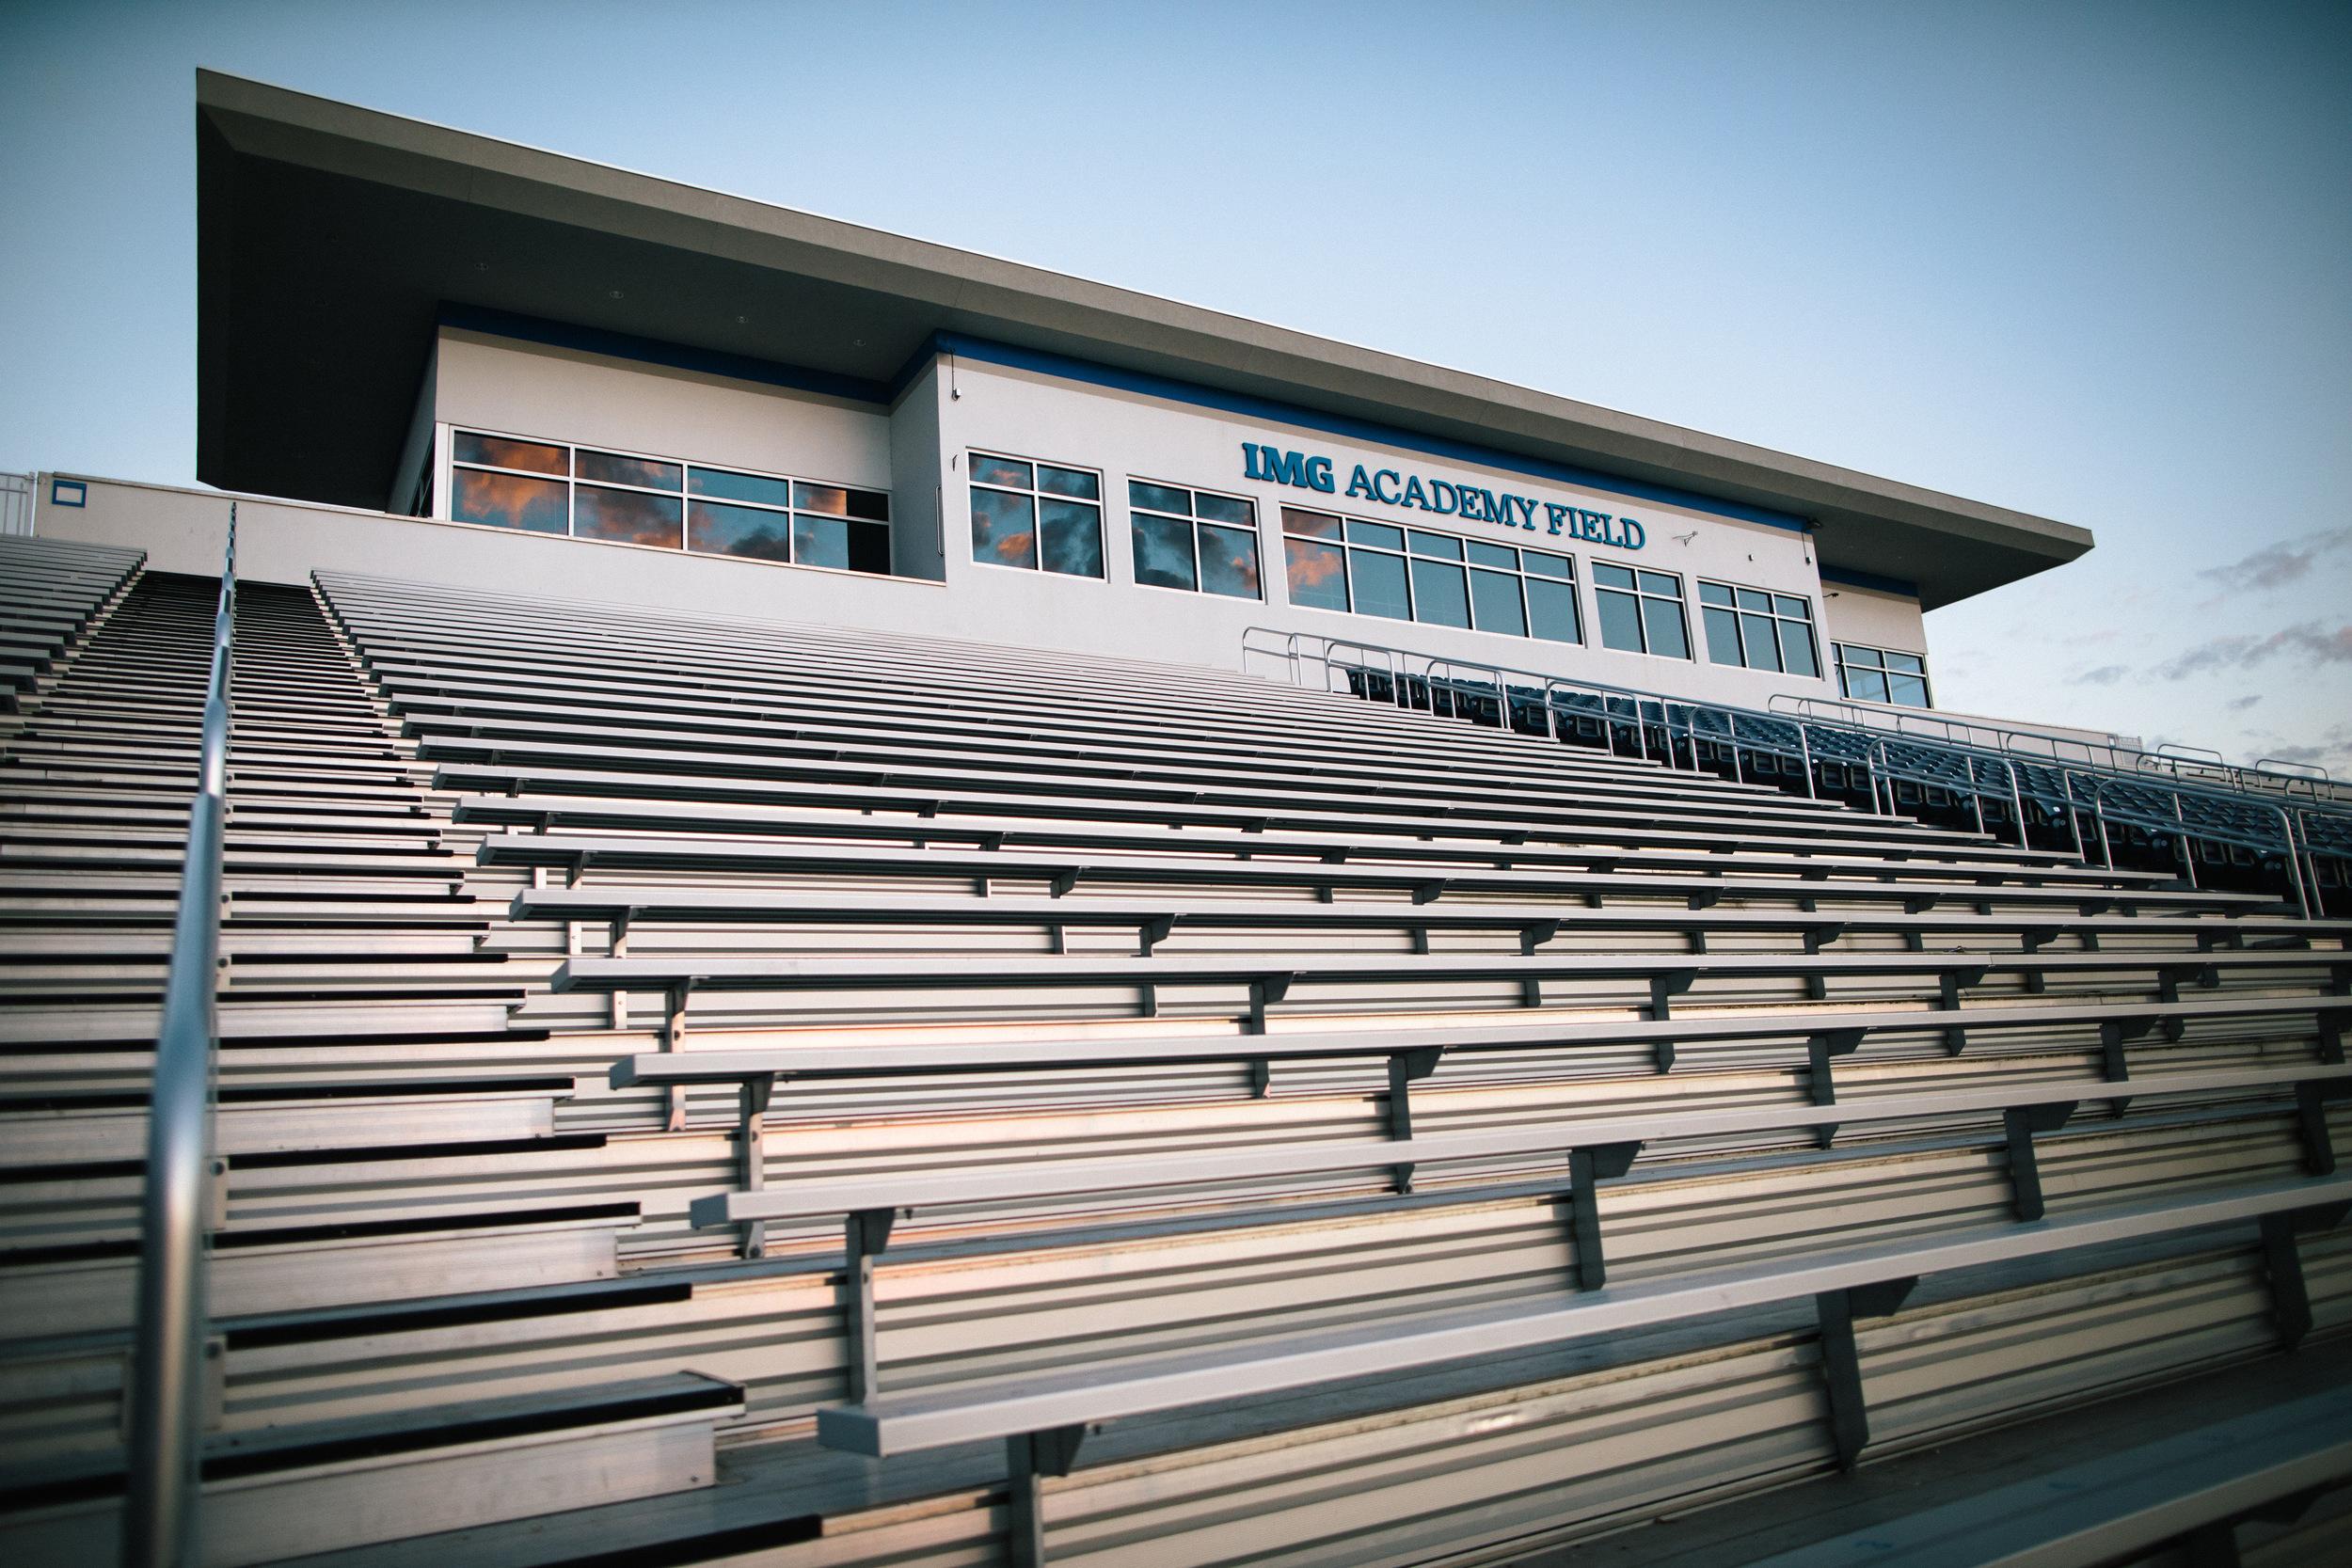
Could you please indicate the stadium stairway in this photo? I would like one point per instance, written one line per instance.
(711, 1092)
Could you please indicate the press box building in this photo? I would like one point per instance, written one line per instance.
(398, 322)
(726, 939)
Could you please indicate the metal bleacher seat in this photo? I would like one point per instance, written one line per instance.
(1330, 1134)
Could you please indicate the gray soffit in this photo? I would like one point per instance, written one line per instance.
(331, 237)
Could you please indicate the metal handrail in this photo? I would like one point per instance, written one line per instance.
(1989, 772)
(166, 1395)
(2266, 775)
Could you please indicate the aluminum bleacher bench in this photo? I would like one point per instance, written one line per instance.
(2189, 1488)
(1596, 1149)
(1414, 1054)
(1633, 848)
(1043, 1420)
(577, 854)
(977, 822)
(624, 906)
(58, 1129)
(326, 1486)
(1269, 980)
(1117, 799)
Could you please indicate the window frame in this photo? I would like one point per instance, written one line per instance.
(1404, 555)
(1886, 673)
(1680, 600)
(1739, 614)
(447, 466)
(1256, 530)
(1038, 497)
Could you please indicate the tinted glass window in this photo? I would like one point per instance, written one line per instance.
(821, 540)
(1910, 690)
(1714, 593)
(1074, 483)
(628, 517)
(1439, 594)
(1796, 647)
(509, 501)
(1163, 551)
(1608, 575)
(1723, 631)
(1662, 620)
(1552, 610)
(740, 487)
(1540, 564)
(1318, 573)
(718, 528)
(1000, 470)
(1620, 618)
(1495, 602)
(1071, 538)
(1492, 555)
(1379, 534)
(1313, 523)
(1761, 640)
(1868, 684)
(1223, 509)
(613, 468)
(1228, 561)
(501, 452)
(1441, 545)
(1378, 583)
(1004, 527)
(1159, 498)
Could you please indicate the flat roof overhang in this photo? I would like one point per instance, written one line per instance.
(331, 238)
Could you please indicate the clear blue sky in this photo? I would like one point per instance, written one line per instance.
(2094, 260)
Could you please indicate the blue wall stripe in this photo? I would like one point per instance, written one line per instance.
(1270, 409)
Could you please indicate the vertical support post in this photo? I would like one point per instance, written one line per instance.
(2018, 1126)
(865, 1234)
(1586, 1168)
(1404, 1066)
(2282, 1265)
(752, 1153)
(1029, 1458)
(1841, 1358)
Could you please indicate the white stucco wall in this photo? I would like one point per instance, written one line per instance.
(521, 389)
(1879, 619)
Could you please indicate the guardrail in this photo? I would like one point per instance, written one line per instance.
(2085, 798)
(2190, 763)
(166, 1395)
(16, 506)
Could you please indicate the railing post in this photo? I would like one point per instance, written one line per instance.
(2295, 860)
(164, 1397)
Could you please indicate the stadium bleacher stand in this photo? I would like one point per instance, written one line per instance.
(700, 1091)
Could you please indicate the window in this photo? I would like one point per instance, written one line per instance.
(1881, 675)
(1640, 612)
(1409, 575)
(1750, 628)
(549, 487)
(1194, 539)
(1036, 514)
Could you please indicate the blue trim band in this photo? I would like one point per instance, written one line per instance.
(1278, 412)
(1869, 579)
(653, 350)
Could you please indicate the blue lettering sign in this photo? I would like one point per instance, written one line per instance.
(1311, 472)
